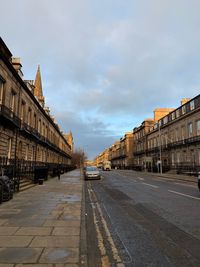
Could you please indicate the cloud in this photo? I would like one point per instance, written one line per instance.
(106, 63)
(92, 135)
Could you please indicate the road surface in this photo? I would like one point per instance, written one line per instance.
(133, 219)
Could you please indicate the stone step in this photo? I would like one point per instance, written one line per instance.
(25, 184)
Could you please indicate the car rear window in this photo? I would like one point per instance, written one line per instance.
(91, 169)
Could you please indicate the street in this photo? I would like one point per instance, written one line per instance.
(135, 219)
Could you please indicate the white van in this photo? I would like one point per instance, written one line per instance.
(107, 165)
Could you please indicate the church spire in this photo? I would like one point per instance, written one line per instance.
(38, 87)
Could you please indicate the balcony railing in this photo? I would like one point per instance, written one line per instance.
(180, 143)
(8, 114)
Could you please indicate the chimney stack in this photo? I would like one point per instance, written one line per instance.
(17, 65)
(185, 100)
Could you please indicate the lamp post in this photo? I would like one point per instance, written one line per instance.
(160, 148)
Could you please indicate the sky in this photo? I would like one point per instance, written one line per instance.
(106, 65)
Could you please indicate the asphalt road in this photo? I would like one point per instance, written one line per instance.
(133, 219)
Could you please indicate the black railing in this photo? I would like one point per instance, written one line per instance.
(18, 169)
(8, 114)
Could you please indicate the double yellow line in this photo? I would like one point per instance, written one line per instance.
(104, 258)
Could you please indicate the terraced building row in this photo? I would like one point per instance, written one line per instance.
(30, 138)
(168, 141)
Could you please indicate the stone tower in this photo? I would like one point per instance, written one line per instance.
(38, 87)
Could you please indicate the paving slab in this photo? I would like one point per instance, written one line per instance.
(61, 255)
(34, 265)
(42, 265)
(62, 223)
(2, 221)
(4, 230)
(55, 242)
(15, 241)
(32, 231)
(40, 227)
(68, 231)
(20, 255)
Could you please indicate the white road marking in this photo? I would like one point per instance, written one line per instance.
(187, 185)
(142, 179)
(178, 193)
(154, 186)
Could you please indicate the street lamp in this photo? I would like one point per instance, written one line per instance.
(160, 148)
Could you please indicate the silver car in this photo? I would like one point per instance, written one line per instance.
(91, 173)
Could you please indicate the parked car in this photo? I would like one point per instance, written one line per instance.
(91, 172)
(198, 180)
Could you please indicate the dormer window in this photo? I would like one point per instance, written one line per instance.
(165, 120)
(191, 105)
(183, 109)
(177, 113)
(1, 91)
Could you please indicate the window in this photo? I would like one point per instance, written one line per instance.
(182, 132)
(39, 126)
(178, 157)
(33, 154)
(1, 91)
(19, 150)
(149, 144)
(183, 109)
(165, 120)
(173, 159)
(46, 131)
(177, 113)
(13, 101)
(176, 135)
(190, 129)
(27, 152)
(35, 121)
(23, 111)
(29, 116)
(43, 129)
(9, 148)
(191, 105)
(198, 156)
(198, 127)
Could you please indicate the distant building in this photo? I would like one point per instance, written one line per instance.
(175, 138)
(169, 141)
(29, 136)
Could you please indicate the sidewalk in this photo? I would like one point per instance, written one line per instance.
(40, 227)
(172, 176)
(181, 177)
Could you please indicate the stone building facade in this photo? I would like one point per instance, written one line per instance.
(140, 158)
(28, 132)
(175, 138)
(120, 153)
(169, 141)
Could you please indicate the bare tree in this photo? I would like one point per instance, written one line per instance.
(78, 158)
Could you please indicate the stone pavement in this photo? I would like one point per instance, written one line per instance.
(173, 176)
(40, 227)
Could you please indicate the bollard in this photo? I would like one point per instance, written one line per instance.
(198, 180)
(1, 193)
(40, 181)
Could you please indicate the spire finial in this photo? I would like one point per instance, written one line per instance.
(38, 87)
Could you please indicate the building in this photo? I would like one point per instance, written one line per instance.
(29, 136)
(175, 139)
(99, 160)
(168, 141)
(141, 159)
(123, 152)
